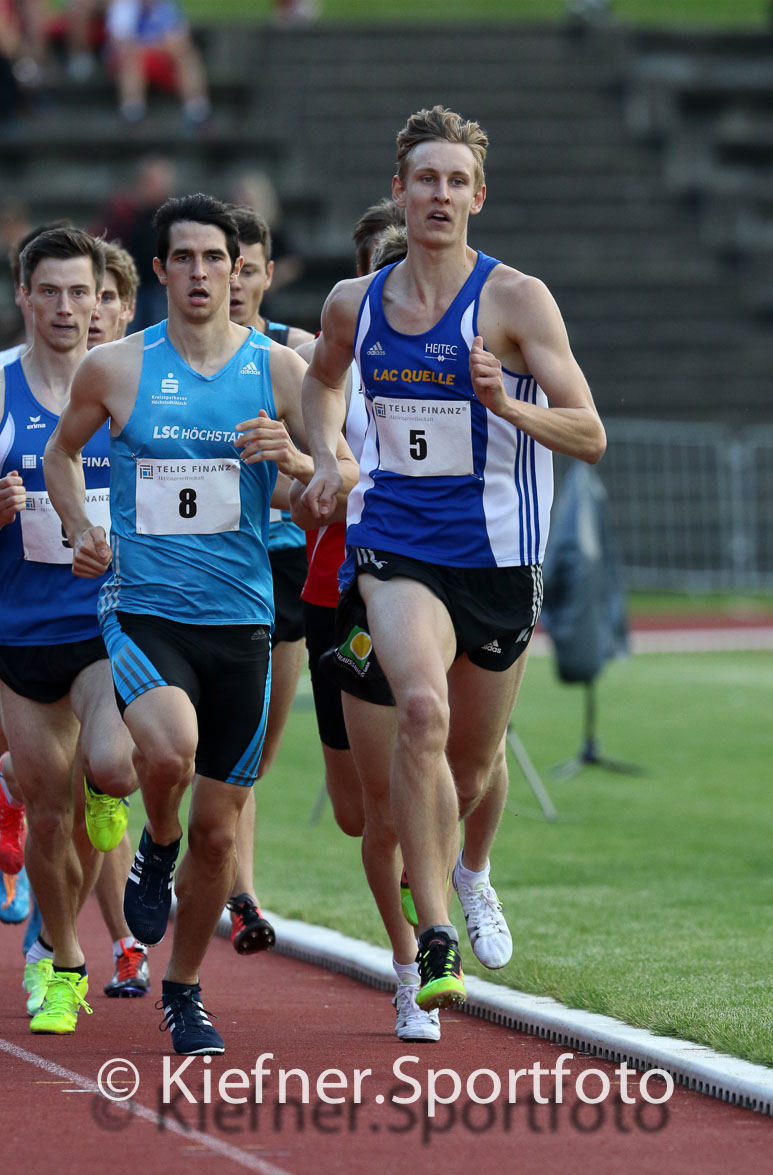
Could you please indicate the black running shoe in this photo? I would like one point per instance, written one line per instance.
(440, 971)
(250, 931)
(189, 1024)
(131, 978)
(147, 898)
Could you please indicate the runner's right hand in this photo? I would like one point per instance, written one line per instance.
(91, 553)
(12, 497)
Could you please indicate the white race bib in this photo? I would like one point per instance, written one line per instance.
(188, 496)
(42, 534)
(424, 438)
(274, 515)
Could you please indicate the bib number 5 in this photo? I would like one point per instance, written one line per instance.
(424, 438)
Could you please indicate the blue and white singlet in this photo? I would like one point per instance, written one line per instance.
(189, 518)
(442, 479)
(41, 601)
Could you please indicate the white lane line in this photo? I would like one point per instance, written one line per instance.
(223, 1149)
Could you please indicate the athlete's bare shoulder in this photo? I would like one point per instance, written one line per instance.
(347, 295)
(297, 337)
(109, 375)
(514, 308)
(339, 314)
(286, 360)
(509, 285)
(120, 357)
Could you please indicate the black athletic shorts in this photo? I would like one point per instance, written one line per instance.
(224, 670)
(45, 673)
(289, 569)
(319, 623)
(494, 611)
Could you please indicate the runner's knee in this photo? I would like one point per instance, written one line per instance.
(212, 847)
(422, 718)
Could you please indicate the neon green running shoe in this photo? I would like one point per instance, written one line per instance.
(106, 818)
(36, 977)
(406, 900)
(65, 996)
(440, 971)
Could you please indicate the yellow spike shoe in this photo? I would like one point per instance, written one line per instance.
(106, 818)
(65, 996)
(36, 977)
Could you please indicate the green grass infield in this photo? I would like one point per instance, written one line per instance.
(649, 898)
(666, 13)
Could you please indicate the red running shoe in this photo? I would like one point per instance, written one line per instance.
(13, 834)
(250, 931)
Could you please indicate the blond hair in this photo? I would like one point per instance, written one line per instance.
(391, 245)
(442, 125)
(121, 265)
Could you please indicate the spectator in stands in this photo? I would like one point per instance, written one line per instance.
(82, 28)
(255, 189)
(129, 218)
(149, 41)
(10, 42)
(22, 52)
(295, 12)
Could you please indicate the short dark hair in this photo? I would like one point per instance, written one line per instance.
(17, 248)
(202, 209)
(370, 225)
(253, 229)
(61, 244)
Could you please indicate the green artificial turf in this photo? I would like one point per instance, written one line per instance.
(668, 13)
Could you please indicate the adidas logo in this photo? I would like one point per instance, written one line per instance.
(377, 350)
(250, 369)
(492, 647)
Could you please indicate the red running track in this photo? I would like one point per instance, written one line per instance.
(53, 1120)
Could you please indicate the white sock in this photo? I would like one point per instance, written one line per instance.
(407, 973)
(37, 952)
(469, 876)
(124, 944)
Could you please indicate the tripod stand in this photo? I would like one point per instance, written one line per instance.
(590, 752)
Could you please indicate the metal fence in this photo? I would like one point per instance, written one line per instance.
(691, 504)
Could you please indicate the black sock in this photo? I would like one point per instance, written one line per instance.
(46, 946)
(435, 931)
(77, 970)
(169, 987)
(91, 787)
(172, 848)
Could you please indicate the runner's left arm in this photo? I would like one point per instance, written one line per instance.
(571, 424)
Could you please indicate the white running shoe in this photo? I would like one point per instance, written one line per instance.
(412, 1023)
(490, 937)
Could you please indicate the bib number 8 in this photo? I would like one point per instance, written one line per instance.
(187, 508)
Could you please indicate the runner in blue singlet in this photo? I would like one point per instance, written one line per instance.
(197, 406)
(470, 383)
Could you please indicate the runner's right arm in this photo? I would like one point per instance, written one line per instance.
(82, 417)
(324, 400)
